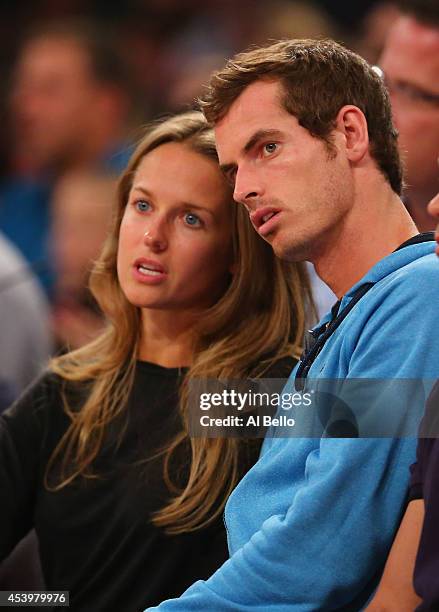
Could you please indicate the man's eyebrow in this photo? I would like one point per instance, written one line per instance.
(251, 142)
(259, 135)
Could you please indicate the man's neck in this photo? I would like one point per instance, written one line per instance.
(370, 232)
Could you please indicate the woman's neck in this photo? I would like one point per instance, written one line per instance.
(167, 338)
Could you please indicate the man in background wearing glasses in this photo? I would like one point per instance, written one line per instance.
(410, 62)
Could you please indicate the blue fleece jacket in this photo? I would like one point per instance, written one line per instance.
(310, 525)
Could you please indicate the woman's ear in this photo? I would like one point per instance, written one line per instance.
(352, 125)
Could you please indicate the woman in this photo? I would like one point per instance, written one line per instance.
(96, 456)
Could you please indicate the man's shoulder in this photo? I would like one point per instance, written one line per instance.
(415, 277)
(425, 264)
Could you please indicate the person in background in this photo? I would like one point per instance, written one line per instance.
(81, 205)
(410, 576)
(69, 107)
(410, 62)
(96, 455)
(25, 348)
(24, 323)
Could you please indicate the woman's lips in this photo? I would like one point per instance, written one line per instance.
(149, 271)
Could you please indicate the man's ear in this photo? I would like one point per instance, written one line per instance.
(352, 124)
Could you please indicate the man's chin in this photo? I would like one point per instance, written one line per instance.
(290, 252)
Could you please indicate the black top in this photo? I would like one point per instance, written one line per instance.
(424, 485)
(96, 536)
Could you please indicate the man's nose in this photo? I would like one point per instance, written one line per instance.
(247, 187)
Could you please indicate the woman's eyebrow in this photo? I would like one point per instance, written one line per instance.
(139, 187)
(192, 206)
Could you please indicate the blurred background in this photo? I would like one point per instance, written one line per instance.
(78, 78)
(166, 49)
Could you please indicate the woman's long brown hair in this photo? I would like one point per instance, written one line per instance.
(259, 319)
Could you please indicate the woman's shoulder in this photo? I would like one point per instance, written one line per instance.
(24, 423)
(42, 400)
(40, 390)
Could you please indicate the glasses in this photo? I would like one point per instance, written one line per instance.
(408, 91)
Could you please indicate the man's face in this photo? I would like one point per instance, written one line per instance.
(52, 100)
(296, 191)
(410, 62)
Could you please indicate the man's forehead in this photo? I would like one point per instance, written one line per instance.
(411, 54)
(57, 53)
(256, 109)
(412, 38)
(255, 99)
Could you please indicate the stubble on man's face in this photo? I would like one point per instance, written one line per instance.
(289, 170)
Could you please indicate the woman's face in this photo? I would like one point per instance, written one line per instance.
(175, 237)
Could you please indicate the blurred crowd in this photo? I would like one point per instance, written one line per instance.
(79, 77)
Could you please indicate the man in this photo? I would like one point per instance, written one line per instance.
(410, 62)
(304, 133)
(69, 107)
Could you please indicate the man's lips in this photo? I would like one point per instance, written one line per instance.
(263, 219)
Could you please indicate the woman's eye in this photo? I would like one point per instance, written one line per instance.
(192, 220)
(269, 148)
(142, 205)
(231, 177)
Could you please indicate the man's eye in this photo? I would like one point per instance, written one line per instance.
(269, 148)
(142, 205)
(413, 93)
(192, 220)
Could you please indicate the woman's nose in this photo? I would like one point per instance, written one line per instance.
(155, 238)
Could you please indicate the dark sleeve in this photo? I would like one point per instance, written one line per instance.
(415, 485)
(429, 428)
(22, 429)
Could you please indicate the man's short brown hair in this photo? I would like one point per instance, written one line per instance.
(319, 77)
